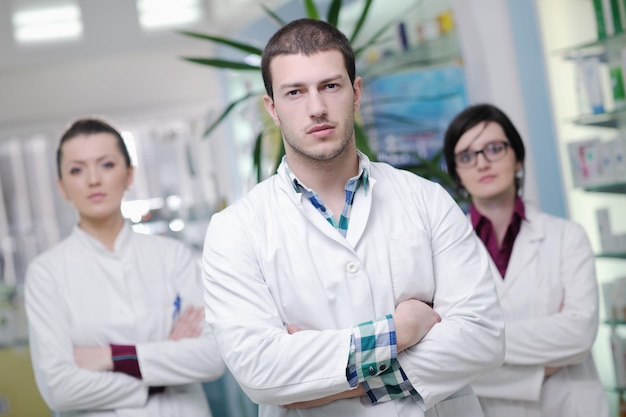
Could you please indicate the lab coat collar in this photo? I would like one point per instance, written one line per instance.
(121, 240)
(287, 184)
(526, 244)
(360, 208)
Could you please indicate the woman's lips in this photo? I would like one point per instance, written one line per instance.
(487, 179)
(97, 196)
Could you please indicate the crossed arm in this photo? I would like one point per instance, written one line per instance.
(100, 358)
(412, 319)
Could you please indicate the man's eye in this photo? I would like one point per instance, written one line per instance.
(292, 92)
(331, 86)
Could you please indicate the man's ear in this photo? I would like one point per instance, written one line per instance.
(357, 87)
(271, 109)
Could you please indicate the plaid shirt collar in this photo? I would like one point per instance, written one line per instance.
(341, 220)
(363, 176)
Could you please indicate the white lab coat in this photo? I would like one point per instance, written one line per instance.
(271, 259)
(550, 302)
(80, 294)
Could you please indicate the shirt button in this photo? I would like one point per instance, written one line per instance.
(382, 367)
(352, 268)
(372, 370)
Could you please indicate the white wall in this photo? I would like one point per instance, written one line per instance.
(492, 68)
(129, 85)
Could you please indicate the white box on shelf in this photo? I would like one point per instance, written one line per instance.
(590, 77)
(584, 162)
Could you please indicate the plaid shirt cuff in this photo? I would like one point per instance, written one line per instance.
(372, 350)
(390, 385)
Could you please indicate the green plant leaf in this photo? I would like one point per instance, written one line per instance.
(256, 155)
(222, 63)
(362, 142)
(431, 168)
(244, 47)
(227, 111)
(333, 12)
(358, 51)
(273, 16)
(279, 156)
(359, 24)
(375, 38)
(311, 9)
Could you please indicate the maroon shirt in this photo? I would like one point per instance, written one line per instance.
(484, 229)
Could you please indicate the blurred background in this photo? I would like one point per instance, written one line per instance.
(548, 64)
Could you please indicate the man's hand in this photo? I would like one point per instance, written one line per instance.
(413, 319)
(550, 370)
(94, 358)
(189, 324)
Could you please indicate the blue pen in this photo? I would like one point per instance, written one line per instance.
(176, 307)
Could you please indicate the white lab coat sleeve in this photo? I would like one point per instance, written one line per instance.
(564, 337)
(170, 362)
(469, 340)
(271, 366)
(511, 382)
(62, 384)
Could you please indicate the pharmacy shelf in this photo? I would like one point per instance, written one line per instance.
(609, 119)
(594, 47)
(611, 255)
(614, 188)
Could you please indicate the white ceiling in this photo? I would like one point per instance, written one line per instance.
(111, 28)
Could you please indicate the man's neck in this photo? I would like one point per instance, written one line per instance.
(327, 178)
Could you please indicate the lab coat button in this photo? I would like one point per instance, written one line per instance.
(372, 370)
(352, 268)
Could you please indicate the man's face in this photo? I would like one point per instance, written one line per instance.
(314, 104)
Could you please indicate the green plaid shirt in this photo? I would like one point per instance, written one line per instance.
(373, 353)
(351, 187)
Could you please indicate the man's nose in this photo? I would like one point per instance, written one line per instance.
(316, 105)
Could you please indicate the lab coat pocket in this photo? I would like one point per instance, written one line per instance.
(411, 265)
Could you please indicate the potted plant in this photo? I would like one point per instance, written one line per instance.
(430, 168)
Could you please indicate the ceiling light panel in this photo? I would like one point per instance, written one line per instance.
(38, 22)
(161, 14)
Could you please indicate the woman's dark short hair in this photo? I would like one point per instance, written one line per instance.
(306, 36)
(472, 116)
(91, 126)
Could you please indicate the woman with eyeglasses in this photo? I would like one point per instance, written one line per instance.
(544, 272)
